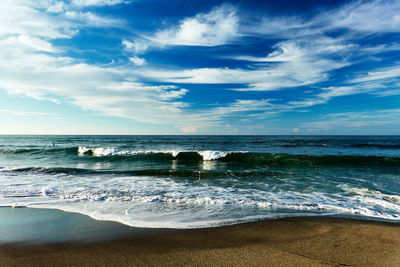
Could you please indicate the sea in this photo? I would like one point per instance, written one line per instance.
(203, 181)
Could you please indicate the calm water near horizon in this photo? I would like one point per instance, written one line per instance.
(203, 181)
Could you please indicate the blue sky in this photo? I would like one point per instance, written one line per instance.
(199, 67)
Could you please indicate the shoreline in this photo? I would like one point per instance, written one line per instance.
(315, 241)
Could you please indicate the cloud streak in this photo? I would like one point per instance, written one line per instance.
(353, 120)
(26, 113)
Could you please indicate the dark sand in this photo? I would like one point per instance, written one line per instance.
(284, 242)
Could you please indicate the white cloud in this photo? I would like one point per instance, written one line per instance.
(28, 21)
(364, 17)
(137, 46)
(367, 16)
(85, 3)
(138, 61)
(218, 27)
(373, 83)
(30, 43)
(92, 88)
(282, 26)
(379, 74)
(388, 92)
(91, 19)
(376, 49)
(173, 94)
(17, 19)
(372, 87)
(57, 7)
(335, 91)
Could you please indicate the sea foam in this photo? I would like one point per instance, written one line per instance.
(205, 154)
(169, 203)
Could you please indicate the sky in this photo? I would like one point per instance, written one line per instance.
(199, 67)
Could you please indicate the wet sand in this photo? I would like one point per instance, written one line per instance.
(283, 242)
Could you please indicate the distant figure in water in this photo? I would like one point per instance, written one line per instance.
(54, 144)
(202, 146)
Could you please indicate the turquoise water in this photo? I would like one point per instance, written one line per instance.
(203, 181)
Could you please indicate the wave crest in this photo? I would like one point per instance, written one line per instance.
(182, 154)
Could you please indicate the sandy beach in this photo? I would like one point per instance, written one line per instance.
(283, 242)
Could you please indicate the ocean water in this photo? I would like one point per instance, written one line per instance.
(203, 181)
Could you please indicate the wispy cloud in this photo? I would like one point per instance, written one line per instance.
(379, 74)
(367, 16)
(85, 3)
(26, 113)
(89, 19)
(137, 46)
(354, 120)
(389, 92)
(240, 106)
(291, 64)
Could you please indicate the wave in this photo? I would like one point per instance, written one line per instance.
(311, 160)
(247, 157)
(185, 173)
(241, 157)
(39, 150)
(378, 146)
(179, 154)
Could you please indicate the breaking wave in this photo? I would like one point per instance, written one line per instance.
(243, 157)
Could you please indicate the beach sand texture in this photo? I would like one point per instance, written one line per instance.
(284, 242)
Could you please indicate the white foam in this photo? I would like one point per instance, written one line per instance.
(206, 154)
(172, 203)
(365, 192)
(212, 155)
(83, 150)
(100, 151)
